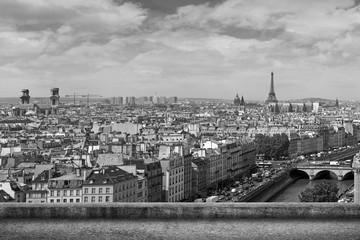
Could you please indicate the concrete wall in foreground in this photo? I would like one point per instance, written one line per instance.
(181, 210)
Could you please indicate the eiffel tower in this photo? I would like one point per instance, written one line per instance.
(272, 96)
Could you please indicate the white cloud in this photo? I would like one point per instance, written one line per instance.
(218, 47)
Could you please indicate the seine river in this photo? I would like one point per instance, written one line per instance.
(291, 193)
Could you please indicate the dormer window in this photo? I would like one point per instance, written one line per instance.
(105, 181)
(91, 181)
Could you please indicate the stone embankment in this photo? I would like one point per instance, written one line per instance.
(180, 210)
(269, 189)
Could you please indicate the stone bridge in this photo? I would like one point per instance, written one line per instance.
(315, 171)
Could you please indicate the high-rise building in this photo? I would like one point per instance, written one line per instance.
(162, 100)
(120, 101)
(155, 99)
(132, 101)
(272, 96)
(173, 99)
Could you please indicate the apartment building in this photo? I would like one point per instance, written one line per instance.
(110, 184)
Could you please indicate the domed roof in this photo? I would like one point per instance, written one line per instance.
(237, 100)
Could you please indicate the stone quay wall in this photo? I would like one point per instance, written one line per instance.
(180, 210)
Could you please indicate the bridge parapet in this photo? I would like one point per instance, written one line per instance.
(313, 170)
(323, 167)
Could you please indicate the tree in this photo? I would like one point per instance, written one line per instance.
(322, 192)
(285, 143)
(277, 109)
(263, 145)
(272, 147)
(290, 108)
(304, 109)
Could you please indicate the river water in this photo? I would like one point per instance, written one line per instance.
(292, 192)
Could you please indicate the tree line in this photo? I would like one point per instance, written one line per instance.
(272, 147)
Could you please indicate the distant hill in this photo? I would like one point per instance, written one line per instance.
(323, 100)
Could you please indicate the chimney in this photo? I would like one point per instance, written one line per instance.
(85, 174)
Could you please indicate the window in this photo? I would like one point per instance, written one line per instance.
(57, 200)
(85, 199)
(65, 200)
(51, 200)
(78, 200)
(58, 193)
(107, 199)
(71, 200)
(100, 190)
(71, 192)
(100, 198)
(52, 193)
(86, 190)
(107, 190)
(65, 192)
(93, 190)
(92, 199)
(78, 192)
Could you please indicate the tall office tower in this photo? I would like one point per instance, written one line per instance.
(173, 99)
(155, 99)
(120, 101)
(162, 100)
(132, 101)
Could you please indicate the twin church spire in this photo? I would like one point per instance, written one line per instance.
(271, 98)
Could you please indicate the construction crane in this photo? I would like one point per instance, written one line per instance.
(75, 95)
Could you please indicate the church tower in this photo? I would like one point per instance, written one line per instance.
(54, 100)
(25, 98)
(272, 96)
(242, 104)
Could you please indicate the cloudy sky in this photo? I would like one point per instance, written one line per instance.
(187, 48)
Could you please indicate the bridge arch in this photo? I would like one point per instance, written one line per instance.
(327, 174)
(297, 173)
(349, 176)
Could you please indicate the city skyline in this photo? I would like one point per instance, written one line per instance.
(196, 48)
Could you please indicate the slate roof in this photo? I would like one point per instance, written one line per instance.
(4, 197)
(108, 176)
